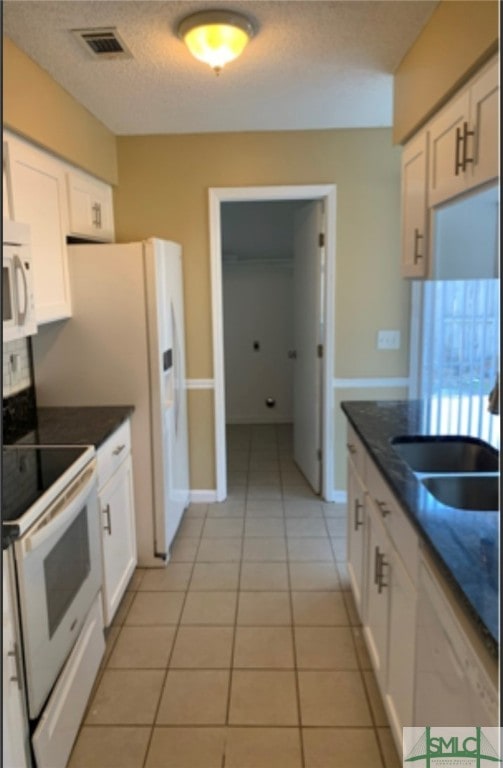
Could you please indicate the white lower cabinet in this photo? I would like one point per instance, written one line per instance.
(115, 494)
(377, 595)
(15, 737)
(357, 523)
(383, 551)
(401, 647)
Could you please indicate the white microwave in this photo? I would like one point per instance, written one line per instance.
(18, 303)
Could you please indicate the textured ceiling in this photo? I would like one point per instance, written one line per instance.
(314, 64)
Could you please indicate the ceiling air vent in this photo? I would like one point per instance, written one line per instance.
(103, 43)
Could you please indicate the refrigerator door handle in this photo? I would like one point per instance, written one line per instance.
(176, 367)
(167, 360)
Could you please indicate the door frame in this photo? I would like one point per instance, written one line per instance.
(217, 196)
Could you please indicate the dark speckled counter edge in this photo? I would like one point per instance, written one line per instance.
(79, 425)
(86, 425)
(397, 418)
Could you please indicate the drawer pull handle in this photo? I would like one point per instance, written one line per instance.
(119, 449)
(466, 133)
(417, 237)
(458, 162)
(108, 526)
(376, 565)
(358, 506)
(380, 573)
(351, 448)
(382, 507)
(17, 677)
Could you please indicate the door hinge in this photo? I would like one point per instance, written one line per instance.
(319, 350)
(318, 454)
(321, 239)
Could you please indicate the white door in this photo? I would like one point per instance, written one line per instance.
(169, 396)
(308, 335)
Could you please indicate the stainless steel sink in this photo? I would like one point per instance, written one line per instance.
(474, 492)
(450, 453)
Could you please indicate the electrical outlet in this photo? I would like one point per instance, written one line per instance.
(388, 340)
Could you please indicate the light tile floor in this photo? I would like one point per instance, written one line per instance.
(246, 651)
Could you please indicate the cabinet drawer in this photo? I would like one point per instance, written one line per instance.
(356, 451)
(398, 527)
(113, 452)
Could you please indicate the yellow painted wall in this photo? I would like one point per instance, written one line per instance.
(36, 107)
(459, 36)
(163, 191)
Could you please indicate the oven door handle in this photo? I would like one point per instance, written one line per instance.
(63, 510)
(19, 269)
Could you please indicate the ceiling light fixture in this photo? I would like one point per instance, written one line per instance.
(216, 37)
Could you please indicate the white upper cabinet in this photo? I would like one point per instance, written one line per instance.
(463, 139)
(448, 140)
(6, 202)
(455, 152)
(37, 186)
(91, 207)
(56, 200)
(414, 208)
(485, 115)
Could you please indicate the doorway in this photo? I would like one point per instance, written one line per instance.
(322, 354)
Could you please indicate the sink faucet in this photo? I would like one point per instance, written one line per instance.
(494, 397)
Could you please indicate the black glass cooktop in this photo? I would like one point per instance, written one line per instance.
(28, 472)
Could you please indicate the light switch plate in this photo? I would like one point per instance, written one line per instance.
(388, 340)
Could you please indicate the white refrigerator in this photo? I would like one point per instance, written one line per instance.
(124, 344)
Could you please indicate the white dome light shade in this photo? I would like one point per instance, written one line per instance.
(216, 37)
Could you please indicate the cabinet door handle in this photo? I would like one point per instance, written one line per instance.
(458, 163)
(351, 448)
(376, 565)
(96, 209)
(381, 584)
(118, 450)
(417, 237)
(466, 133)
(17, 677)
(108, 526)
(358, 506)
(382, 507)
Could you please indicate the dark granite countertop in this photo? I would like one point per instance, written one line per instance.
(77, 425)
(72, 425)
(464, 544)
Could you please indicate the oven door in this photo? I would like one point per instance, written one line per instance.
(59, 574)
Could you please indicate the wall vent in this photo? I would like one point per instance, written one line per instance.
(103, 43)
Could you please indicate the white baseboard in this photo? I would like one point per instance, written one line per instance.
(203, 497)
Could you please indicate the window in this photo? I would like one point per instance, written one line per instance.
(456, 349)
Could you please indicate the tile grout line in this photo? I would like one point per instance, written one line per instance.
(245, 499)
(236, 610)
(295, 660)
(163, 685)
